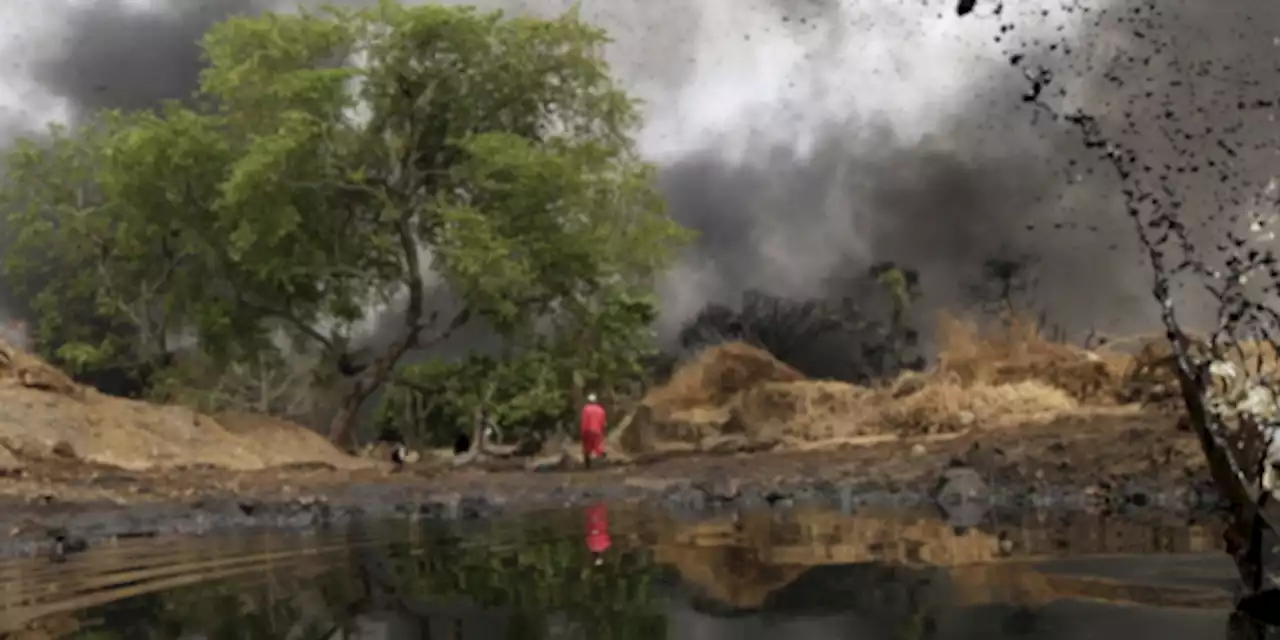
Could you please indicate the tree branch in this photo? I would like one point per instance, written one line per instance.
(328, 342)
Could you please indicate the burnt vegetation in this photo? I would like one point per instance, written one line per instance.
(860, 334)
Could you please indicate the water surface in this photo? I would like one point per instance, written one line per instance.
(598, 573)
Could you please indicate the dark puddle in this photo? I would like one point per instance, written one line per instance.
(597, 573)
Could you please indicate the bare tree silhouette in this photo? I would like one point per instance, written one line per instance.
(1227, 379)
(858, 336)
(1003, 280)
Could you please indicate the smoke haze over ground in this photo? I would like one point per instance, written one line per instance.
(805, 140)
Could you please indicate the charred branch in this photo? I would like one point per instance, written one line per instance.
(858, 336)
(1227, 382)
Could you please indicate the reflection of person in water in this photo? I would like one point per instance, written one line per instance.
(598, 540)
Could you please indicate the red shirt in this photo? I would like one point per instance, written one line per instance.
(592, 420)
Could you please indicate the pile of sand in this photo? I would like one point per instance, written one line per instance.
(44, 414)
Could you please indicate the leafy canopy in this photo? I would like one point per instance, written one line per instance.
(531, 392)
(337, 160)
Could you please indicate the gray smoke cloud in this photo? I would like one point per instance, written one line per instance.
(806, 140)
(1192, 91)
(115, 54)
(923, 154)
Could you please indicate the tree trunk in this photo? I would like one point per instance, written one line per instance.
(382, 371)
(1254, 515)
(343, 424)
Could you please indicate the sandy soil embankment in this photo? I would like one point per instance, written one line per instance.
(732, 427)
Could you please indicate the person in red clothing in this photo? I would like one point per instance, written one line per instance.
(591, 430)
(598, 540)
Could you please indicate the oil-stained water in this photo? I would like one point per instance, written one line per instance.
(600, 573)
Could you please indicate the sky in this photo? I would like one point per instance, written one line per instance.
(806, 139)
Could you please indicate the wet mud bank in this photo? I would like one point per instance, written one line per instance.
(960, 495)
(1130, 467)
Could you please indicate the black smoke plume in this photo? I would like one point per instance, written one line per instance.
(990, 178)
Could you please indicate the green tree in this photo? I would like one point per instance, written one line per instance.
(536, 388)
(542, 572)
(337, 161)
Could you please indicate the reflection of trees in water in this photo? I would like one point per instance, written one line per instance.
(541, 583)
(276, 603)
(535, 589)
(142, 617)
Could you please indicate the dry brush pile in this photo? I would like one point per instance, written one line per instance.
(737, 396)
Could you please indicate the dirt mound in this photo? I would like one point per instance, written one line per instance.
(716, 375)
(806, 410)
(949, 406)
(281, 443)
(735, 396)
(44, 414)
(696, 403)
(1152, 377)
(1136, 369)
(1016, 352)
(831, 411)
(8, 463)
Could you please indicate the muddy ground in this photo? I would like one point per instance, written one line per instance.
(1005, 419)
(1125, 462)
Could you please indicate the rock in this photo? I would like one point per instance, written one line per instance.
(959, 484)
(964, 515)
(779, 498)
(63, 449)
(918, 449)
(10, 464)
(1004, 545)
(720, 490)
(445, 505)
(963, 497)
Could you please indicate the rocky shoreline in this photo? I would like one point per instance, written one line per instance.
(1129, 466)
(31, 528)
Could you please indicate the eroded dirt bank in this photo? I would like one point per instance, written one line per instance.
(1006, 418)
(1126, 463)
